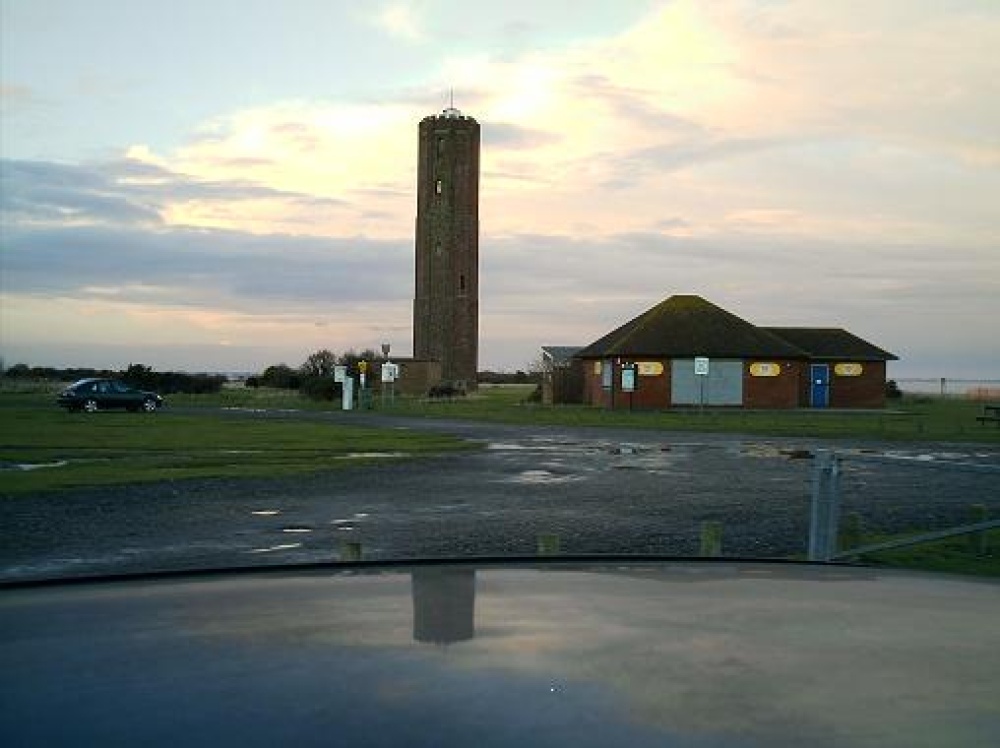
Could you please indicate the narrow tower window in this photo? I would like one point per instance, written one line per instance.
(461, 283)
(437, 187)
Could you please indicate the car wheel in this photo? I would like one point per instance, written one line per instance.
(149, 405)
(90, 406)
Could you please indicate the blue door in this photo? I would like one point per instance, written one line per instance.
(819, 385)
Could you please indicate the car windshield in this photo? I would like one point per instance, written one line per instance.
(342, 282)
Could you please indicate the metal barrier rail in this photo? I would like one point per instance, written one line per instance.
(824, 517)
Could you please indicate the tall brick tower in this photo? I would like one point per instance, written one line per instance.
(446, 301)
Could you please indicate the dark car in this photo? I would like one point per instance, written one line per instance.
(102, 394)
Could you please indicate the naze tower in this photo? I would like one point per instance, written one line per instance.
(446, 300)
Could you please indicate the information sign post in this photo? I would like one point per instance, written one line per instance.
(701, 367)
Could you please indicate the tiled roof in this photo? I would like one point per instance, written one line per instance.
(560, 355)
(684, 326)
(831, 343)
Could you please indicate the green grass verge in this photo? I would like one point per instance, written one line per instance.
(958, 555)
(911, 419)
(64, 450)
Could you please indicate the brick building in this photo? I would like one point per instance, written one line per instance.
(687, 351)
(446, 298)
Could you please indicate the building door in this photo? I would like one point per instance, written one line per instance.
(819, 385)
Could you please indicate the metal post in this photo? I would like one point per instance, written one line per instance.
(825, 509)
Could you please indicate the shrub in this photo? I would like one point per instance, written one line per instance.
(321, 388)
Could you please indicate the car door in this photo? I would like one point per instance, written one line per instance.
(120, 395)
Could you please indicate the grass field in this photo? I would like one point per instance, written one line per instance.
(911, 419)
(960, 555)
(45, 448)
(921, 418)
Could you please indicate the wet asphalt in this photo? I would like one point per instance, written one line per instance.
(598, 490)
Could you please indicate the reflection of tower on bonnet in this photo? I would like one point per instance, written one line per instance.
(446, 302)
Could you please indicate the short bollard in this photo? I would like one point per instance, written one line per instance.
(978, 540)
(711, 539)
(548, 544)
(350, 551)
(851, 531)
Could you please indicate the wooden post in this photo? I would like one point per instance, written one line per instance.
(711, 539)
(978, 540)
(850, 534)
(548, 544)
(350, 551)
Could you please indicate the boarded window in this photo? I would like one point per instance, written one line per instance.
(722, 386)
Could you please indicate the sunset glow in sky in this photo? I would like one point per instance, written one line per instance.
(231, 184)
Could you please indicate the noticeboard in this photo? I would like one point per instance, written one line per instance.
(701, 366)
(628, 379)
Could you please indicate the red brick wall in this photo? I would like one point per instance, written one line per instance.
(781, 391)
(649, 393)
(789, 389)
(865, 391)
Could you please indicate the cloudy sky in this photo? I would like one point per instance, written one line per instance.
(230, 184)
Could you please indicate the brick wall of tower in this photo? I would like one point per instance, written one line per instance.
(446, 299)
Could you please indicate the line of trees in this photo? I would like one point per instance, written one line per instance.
(136, 375)
(313, 378)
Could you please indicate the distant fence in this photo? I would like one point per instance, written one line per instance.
(974, 389)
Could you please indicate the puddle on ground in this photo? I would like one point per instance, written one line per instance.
(296, 529)
(266, 512)
(368, 455)
(539, 477)
(273, 548)
(28, 466)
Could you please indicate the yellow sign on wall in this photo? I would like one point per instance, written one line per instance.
(649, 368)
(848, 370)
(765, 370)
